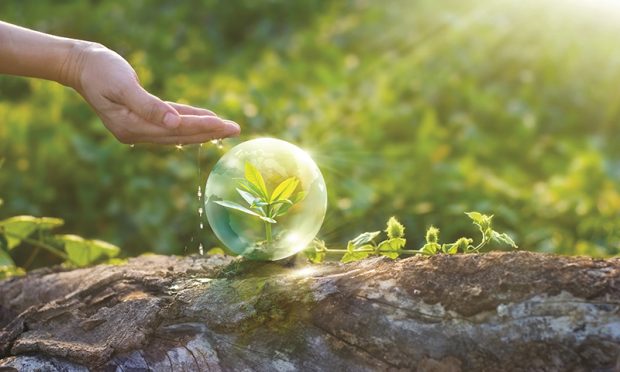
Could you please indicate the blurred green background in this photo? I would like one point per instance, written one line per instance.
(419, 109)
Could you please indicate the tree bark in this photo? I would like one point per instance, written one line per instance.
(514, 311)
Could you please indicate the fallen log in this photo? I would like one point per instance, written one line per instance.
(515, 311)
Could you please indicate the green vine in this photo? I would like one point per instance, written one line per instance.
(365, 244)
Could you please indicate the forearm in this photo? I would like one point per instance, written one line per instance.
(30, 53)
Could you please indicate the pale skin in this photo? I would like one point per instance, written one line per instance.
(111, 87)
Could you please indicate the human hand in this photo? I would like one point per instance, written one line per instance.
(133, 115)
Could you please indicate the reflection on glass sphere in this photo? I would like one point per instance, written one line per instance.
(265, 199)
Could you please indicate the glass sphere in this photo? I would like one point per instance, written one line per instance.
(265, 199)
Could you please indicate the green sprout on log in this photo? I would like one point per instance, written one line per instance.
(261, 203)
(365, 244)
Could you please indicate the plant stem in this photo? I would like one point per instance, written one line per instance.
(37, 243)
(268, 231)
(31, 257)
(401, 251)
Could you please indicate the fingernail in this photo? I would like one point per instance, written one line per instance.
(171, 120)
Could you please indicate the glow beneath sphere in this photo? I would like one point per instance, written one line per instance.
(265, 199)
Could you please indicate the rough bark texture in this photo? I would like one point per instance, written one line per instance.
(490, 312)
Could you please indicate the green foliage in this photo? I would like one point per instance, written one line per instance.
(394, 228)
(316, 251)
(262, 204)
(398, 101)
(83, 252)
(364, 244)
(33, 233)
(15, 229)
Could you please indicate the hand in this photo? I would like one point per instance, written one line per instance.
(133, 115)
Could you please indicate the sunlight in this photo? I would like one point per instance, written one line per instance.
(304, 272)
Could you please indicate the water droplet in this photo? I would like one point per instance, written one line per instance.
(179, 146)
(200, 211)
(132, 145)
(202, 226)
(217, 142)
(200, 249)
(199, 193)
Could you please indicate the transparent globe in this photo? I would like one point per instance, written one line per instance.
(265, 199)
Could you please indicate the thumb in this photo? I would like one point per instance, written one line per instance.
(151, 108)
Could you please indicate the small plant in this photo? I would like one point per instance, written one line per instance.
(364, 245)
(21, 232)
(261, 203)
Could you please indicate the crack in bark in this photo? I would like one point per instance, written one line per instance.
(355, 347)
(412, 313)
(170, 361)
(193, 356)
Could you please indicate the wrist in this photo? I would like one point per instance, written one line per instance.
(75, 60)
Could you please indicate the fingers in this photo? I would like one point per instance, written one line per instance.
(190, 110)
(194, 124)
(186, 140)
(192, 129)
(149, 107)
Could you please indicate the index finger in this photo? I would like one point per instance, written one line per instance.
(191, 110)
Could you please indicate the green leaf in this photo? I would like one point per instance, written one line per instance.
(299, 197)
(463, 244)
(281, 210)
(5, 258)
(354, 256)
(393, 244)
(432, 234)
(394, 228)
(254, 177)
(364, 238)
(430, 248)
(503, 238)
(284, 190)
(259, 203)
(249, 198)
(450, 248)
(9, 271)
(82, 252)
(282, 201)
(233, 205)
(316, 251)
(268, 219)
(215, 250)
(475, 216)
(481, 220)
(251, 188)
(20, 227)
(315, 256)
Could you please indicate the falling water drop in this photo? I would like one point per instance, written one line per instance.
(202, 226)
(217, 142)
(200, 211)
(132, 145)
(200, 249)
(199, 193)
(179, 146)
